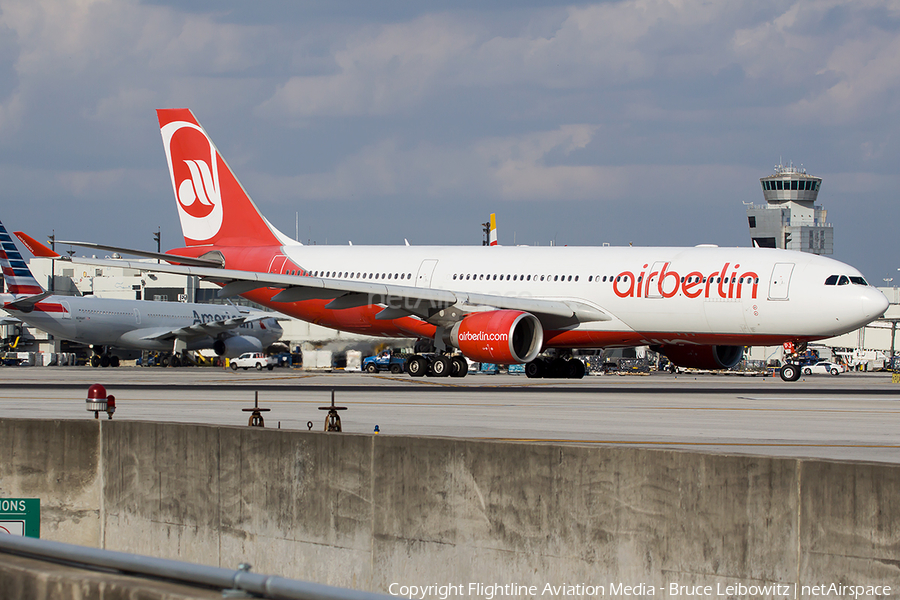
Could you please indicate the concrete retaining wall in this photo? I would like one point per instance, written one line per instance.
(365, 511)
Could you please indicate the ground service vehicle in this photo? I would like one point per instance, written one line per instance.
(256, 360)
(386, 361)
(824, 366)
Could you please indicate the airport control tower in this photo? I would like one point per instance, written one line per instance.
(790, 218)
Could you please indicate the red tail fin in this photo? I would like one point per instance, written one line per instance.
(213, 206)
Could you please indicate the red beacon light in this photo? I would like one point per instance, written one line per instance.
(97, 400)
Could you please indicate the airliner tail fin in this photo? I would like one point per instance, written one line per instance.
(213, 206)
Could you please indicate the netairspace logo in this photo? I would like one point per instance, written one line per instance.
(490, 591)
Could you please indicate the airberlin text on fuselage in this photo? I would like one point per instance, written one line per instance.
(668, 283)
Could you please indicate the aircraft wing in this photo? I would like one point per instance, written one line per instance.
(399, 300)
(210, 328)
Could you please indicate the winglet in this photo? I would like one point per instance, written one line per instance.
(35, 247)
(492, 235)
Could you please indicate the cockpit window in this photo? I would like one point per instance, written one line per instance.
(844, 280)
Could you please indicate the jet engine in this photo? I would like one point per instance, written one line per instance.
(702, 357)
(234, 346)
(499, 336)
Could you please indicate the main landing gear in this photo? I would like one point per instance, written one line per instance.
(437, 365)
(103, 359)
(556, 368)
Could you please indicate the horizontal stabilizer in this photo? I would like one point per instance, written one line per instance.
(184, 260)
(26, 304)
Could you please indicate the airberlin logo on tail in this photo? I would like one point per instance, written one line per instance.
(666, 283)
(194, 169)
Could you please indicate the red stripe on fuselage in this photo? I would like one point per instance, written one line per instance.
(49, 307)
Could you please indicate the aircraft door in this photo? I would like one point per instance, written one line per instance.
(780, 283)
(67, 312)
(652, 285)
(277, 263)
(426, 270)
(137, 317)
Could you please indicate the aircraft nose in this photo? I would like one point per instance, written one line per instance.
(874, 303)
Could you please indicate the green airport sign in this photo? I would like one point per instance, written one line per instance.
(20, 516)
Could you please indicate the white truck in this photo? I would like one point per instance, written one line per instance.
(256, 360)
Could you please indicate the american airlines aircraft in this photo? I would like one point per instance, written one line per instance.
(503, 304)
(133, 324)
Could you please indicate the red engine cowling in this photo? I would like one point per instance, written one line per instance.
(702, 357)
(499, 336)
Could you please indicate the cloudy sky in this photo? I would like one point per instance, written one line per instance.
(636, 121)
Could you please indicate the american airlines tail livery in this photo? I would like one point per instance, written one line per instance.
(104, 323)
(505, 304)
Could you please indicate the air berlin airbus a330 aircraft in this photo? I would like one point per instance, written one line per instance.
(698, 306)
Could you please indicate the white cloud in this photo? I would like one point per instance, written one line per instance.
(843, 70)
(522, 168)
(380, 73)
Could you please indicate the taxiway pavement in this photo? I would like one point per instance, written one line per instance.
(855, 416)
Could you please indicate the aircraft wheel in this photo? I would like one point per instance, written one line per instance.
(460, 366)
(441, 366)
(790, 372)
(104, 360)
(416, 366)
(574, 369)
(370, 368)
(557, 368)
(114, 361)
(534, 369)
(174, 361)
(396, 369)
(95, 361)
(234, 366)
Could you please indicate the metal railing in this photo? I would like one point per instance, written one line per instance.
(233, 580)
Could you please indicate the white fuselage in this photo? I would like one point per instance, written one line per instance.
(135, 323)
(694, 295)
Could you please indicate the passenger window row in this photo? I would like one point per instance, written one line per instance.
(349, 274)
(507, 277)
